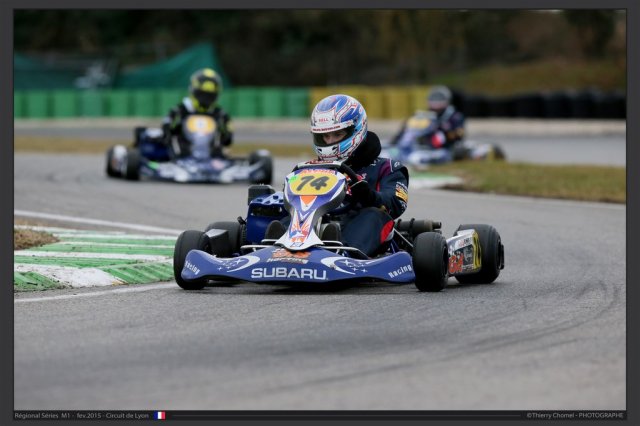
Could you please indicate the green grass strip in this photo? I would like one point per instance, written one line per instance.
(32, 281)
(141, 273)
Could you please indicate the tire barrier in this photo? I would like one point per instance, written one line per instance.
(557, 105)
(529, 105)
(585, 104)
(384, 102)
(502, 107)
(475, 106)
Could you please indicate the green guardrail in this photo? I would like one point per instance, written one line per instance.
(272, 102)
(239, 102)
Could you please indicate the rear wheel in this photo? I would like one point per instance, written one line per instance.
(267, 165)
(430, 261)
(459, 151)
(187, 241)
(132, 171)
(414, 227)
(498, 153)
(491, 254)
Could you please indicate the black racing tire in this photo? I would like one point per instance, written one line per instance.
(187, 241)
(498, 153)
(414, 227)
(110, 171)
(491, 255)
(459, 152)
(267, 165)
(430, 261)
(132, 171)
(259, 190)
(235, 239)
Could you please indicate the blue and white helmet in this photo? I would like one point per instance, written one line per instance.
(333, 113)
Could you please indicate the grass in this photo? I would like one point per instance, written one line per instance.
(572, 182)
(586, 183)
(27, 238)
(547, 75)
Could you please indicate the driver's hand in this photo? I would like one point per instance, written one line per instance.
(438, 139)
(362, 193)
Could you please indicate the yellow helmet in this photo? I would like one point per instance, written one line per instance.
(204, 88)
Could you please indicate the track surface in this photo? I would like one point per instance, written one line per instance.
(549, 334)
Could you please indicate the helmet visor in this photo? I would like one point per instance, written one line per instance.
(205, 99)
(319, 138)
(438, 100)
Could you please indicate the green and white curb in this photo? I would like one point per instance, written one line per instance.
(431, 180)
(91, 258)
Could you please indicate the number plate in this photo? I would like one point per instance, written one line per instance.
(200, 124)
(313, 182)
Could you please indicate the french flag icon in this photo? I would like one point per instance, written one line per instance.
(160, 415)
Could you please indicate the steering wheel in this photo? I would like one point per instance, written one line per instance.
(342, 168)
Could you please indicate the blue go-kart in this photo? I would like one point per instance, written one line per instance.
(314, 194)
(151, 159)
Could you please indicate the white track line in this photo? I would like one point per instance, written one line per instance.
(123, 256)
(95, 222)
(137, 288)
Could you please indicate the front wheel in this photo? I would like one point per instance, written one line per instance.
(491, 255)
(225, 247)
(187, 241)
(264, 157)
(111, 172)
(430, 261)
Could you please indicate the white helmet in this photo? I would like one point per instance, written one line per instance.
(439, 99)
(338, 112)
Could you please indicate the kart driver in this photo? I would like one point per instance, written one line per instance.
(450, 121)
(204, 88)
(339, 129)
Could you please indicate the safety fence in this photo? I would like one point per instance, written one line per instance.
(281, 102)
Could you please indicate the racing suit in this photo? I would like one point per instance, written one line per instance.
(172, 126)
(451, 123)
(369, 223)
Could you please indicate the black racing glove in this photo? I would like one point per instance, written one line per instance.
(362, 193)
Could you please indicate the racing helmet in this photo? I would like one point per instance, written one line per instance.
(204, 87)
(439, 99)
(338, 112)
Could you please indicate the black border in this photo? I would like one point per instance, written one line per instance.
(6, 171)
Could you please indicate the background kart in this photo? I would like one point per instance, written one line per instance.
(150, 158)
(414, 147)
(313, 194)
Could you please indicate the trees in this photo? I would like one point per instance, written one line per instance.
(317, 47)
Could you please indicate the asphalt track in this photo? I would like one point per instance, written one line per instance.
(548, 334)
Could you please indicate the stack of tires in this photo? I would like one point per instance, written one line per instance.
(585, 104)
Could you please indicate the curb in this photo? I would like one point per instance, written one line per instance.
(84, 258)
(430, 180)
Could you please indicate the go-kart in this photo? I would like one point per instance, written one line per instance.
(313, 194)
(415, 146)
(151, 158)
